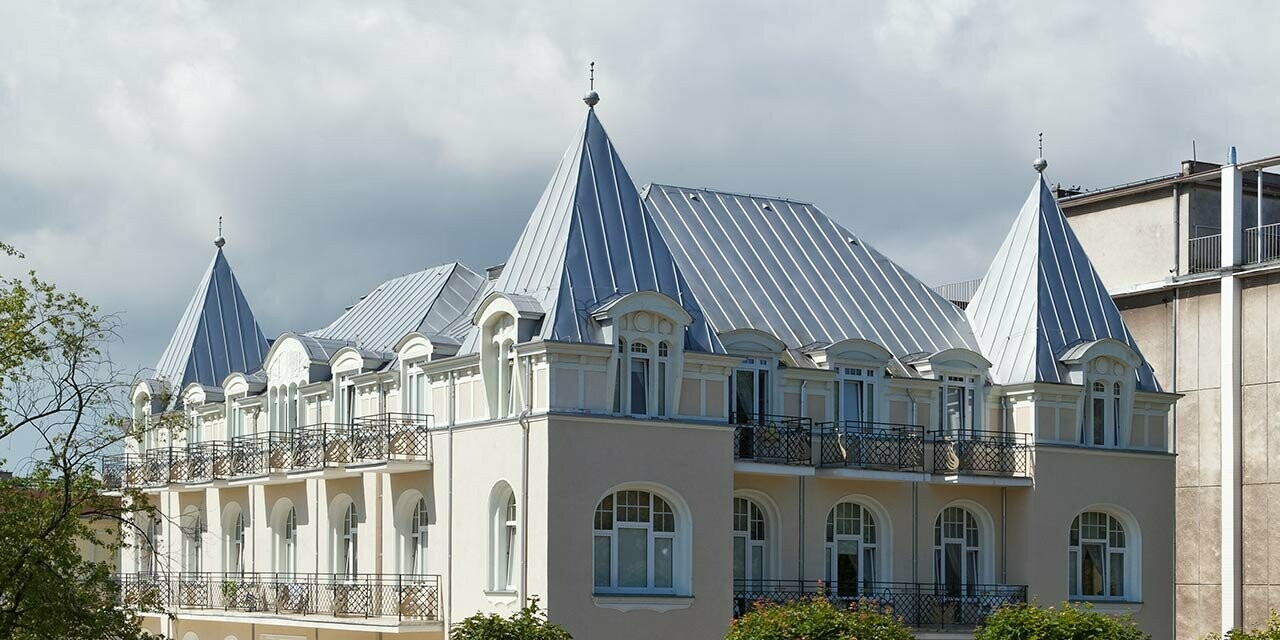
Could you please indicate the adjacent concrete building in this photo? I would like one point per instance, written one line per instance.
(1192, 259)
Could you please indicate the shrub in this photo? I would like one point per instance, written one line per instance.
(529, 623)
(1032, 622)
(1272, 632)
(818, 619)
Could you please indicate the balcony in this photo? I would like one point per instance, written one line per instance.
(994, 453)
(772, 439)
(1262, 244)
(400, 597)
(385, 440)
(1204, 253)
(921, 605)
(871, 445)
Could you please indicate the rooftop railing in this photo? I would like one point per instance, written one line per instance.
(978, 452)
(1262, 244)
(772, 438)
(872, 445)
(400, 596)
(920, 605)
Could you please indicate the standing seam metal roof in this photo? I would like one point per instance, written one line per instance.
(786, 268)
(216, 336)
(1042, 296)
(427, 301)
(591, 240)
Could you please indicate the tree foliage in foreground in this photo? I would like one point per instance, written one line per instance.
(529, 623)
(1070, 622)
(1270, 632)
(818, 619)
(57, 384)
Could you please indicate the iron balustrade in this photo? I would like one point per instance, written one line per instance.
(1262, 244)
(327, 444)
(121, 471)
(211, 460)
(1204, 253)
(388, 436)
(871, 445)
(261, 454)
(772, 438)
(981, 452)
(920, 605)
(400, 596)
(163, 465)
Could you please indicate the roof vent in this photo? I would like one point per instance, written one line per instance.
(694, 197)
(852, 241)
(768, 207)
(495, 271)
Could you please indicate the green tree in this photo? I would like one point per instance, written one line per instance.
(57, 383)
(1071, 622)
(529, 623)
(1271, 632)
(818, 619)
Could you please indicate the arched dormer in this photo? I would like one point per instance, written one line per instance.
(1107, 371)
(414, 350)
(962, 376)
(646, 329)
(853, 351)
(752, 389)
(505, 320)
(147, 398)
(860, 367)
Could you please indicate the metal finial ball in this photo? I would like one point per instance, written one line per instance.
(592, 98)
(1040, 165)
(219, 242)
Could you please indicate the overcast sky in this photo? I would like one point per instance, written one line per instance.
(345, 143)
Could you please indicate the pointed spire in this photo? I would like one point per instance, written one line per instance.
(219, 241)
(592, 98)
(1040, 163)
(590, 240)
(217, 335)
(1041, 296)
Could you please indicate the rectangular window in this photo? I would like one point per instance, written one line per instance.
(757, 564)
(639, 386)
(744, 396)
(662, 563)
(1099, 421)
(1117, 574)
(662, 388)
(1073, 568)
(739, 558)
(955, 410)
(1091, 570)
(633, 558)
(603, 566)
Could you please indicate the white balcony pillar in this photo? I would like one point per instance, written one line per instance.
(1232, 196)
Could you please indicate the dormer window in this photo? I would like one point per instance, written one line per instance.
(640, 378)
(663, 354)
(751, 389)
(856, 394)
(508, 384)
(959, 404)
(1105, 418)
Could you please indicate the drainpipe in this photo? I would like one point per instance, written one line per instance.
(1172, 445)
(1232, 188)
(450, 399)
(1004, 535)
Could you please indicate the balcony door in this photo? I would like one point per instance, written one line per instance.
(956, 552)
(851, 550)
(751, 389)
(857, 395)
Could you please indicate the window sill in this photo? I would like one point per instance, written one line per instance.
(641, 602)
(500, 597)
(1108, 606)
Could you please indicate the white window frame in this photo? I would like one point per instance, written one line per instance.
(504, 536)
(639, 353)
(751, 541)
(346, 547)
(661, 528)
(233, 560)
(761, 387)
(971, 553)
(191, 543)
(867, 540)
(866, 381)
(286, 556)
(1116, 540)
(970, 387)
(416, 539)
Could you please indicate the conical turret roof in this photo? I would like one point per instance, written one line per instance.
(589, 241)
(1042, 296)
(217, 335)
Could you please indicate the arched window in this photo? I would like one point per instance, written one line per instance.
(286, 556)
(852, 549)
(750, 540)
(1097, 553)
(235, 550)
(634, 544)
(415, 540)
(956, 551)
(147, 556)
(504, 542)
(346, 543)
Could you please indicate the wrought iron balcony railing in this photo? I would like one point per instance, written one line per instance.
(981, 452)
(163, 465)
(400, 596)
(260, 454)
(209, 461)
(871, 445)
(327, 444)
(772, 438)
(124, 470)
(392, 436)
(920, 605)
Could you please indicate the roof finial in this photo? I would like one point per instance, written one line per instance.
(592, 98)
(1040, 164)
(219, 241)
